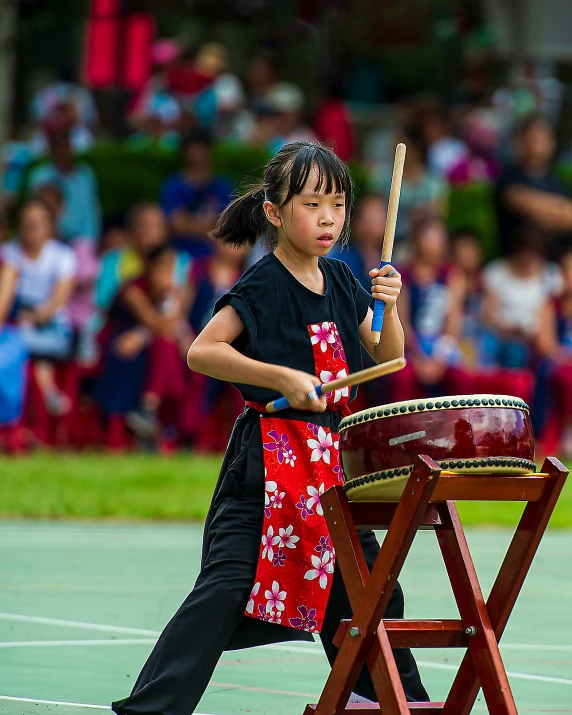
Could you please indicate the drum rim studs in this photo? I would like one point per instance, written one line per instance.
(410, 407)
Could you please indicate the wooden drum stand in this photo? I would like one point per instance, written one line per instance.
(428, 501)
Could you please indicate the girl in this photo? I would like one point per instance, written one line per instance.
(294, 320)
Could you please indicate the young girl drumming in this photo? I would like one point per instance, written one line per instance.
(294, 320)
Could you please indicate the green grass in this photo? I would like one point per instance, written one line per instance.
(148, 486)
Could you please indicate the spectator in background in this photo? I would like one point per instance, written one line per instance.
(261, 77)
(63, 105)
(146, 230)
(193, 198)
(63, 118)
(367, 230)
(467, 286)
(516, 289)
(158, 120)
(333, 123)
(206, 87)
(431, 315)
(81, 214)
(480, 162)
(444, 150)
(81, 305)
(164, 54)
(555, 344)
(64, 90)
(528, 192)
(146, 342)
(422, 190)
(36, 283)
(114, 235)
(211, 407)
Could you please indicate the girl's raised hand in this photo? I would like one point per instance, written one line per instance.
(296, 385)
(386, 285)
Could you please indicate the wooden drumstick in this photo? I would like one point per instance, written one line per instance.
(356, 378)
(388, 236)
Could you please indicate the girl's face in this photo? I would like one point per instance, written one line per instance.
(311, 222)
(34, 226)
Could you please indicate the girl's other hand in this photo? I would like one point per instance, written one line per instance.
(386, 285)
(296, 385)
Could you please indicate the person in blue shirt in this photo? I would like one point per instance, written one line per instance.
(194, 197)
(81, 214)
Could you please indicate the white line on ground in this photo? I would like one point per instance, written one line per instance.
(54, 644)
(520, 676)
(58, 702)
(53, 702)
(77, 624)
(292, 648)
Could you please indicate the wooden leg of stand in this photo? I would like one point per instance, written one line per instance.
(509, 582)
(483, 646)
(369, 608)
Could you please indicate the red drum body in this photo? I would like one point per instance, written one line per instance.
(462, 433)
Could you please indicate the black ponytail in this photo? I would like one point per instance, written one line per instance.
(243, 221)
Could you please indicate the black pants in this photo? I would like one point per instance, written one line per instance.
(181, 664)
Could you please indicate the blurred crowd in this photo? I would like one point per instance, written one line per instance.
(96, 315)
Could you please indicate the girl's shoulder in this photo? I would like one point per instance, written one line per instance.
(261, 276)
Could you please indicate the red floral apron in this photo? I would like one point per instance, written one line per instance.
(301, 461)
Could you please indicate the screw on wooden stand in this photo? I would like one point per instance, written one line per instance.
(471, 631)
(355, 632)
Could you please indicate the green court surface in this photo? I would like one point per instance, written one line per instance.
(82, 604)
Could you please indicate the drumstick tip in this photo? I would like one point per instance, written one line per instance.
(375, 337)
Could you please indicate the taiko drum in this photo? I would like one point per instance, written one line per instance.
(462, 433)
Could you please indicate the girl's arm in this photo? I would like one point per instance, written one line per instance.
(8, 285)
(212, 354)
(392, 341)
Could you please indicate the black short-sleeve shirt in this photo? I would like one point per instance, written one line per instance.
(277, 311)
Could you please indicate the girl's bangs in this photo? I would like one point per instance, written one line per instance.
(332, 174)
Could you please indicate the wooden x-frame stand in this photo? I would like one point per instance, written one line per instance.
(370, 638)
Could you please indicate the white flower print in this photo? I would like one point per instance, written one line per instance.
(250, 604)
(276, 499)
(269, 541)
(290, 457)
(314, 498)
(274, 617)
(321, 447)
(287, 538)
(275, 598)
(323, 565)
(323, 334)
(327, 376)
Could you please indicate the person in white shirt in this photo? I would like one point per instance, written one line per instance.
(516, 289)
(36, 282)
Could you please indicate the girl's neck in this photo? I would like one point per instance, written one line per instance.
(302, 266)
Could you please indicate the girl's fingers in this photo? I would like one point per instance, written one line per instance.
(385, 297)
(388, 270)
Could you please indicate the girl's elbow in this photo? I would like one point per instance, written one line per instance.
(192, 358)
